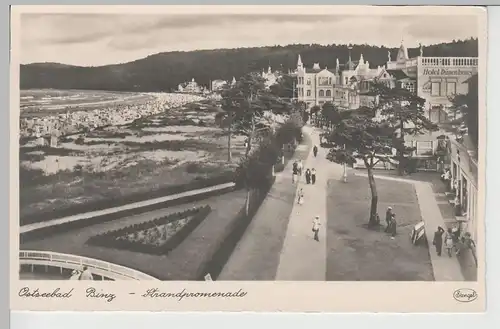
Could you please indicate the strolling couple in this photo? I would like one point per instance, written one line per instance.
(311, 176)
(449, 241)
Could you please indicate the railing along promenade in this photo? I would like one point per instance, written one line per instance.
(66, 261)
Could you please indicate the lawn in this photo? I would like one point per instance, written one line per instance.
(355, 253)
(185, 262)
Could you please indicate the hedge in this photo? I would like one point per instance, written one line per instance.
(233, 235)
(123, 200)
(61, 228)
(109, 240)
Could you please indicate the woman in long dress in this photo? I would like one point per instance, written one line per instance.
(308, 176)
(448, 241)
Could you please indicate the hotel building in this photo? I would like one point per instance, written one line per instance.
(435, 79)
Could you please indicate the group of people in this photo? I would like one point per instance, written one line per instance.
(453, 242)
(76, 118)
(310, 174)
(85, 274)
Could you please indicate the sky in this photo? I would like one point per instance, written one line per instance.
(102, 39)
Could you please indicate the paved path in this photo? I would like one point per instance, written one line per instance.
(302, 258)
(58, 221)
(256, 256)
(443, 267)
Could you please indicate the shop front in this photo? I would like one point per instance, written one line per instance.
(463, 167)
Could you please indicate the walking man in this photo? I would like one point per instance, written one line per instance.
(313, 176)
(438, 240)
(393, 227)
(315, 228)
(388, 218)
(295, 171)
(315, 150)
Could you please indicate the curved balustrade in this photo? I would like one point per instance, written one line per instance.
(98, 267)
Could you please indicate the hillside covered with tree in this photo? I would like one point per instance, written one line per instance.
(164, 71)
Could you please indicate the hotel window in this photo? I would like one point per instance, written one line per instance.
(308, 81)
(346, 80)
(321, 93)
(308, 93)
(435, 89)
(328, 93)
(329, 81)
(451, 88)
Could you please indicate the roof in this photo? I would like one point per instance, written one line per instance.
(398, 74)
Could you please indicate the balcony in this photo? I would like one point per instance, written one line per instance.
(449, 61)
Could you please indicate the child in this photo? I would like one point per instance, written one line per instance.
(300, 199)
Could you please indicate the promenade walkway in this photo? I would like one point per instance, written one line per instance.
(444, 268)
(58, 221)
(257, 254)
(302, 258)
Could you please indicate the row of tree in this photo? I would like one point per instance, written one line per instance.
(165, 71)
(249, 108)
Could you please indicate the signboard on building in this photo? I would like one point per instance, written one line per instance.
(448, 71)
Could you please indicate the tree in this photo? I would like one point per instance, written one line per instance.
(466, 105)
(244, 100)
(248, 102)
(330, 113)
(404, 112)
(357, 135)
(284, 87)
(370, 134)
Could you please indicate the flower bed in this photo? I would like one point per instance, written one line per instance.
(158, 236)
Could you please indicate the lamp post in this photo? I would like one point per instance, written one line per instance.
(344, 176)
